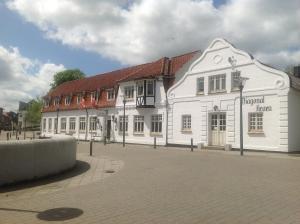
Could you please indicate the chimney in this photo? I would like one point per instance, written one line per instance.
(297, 71)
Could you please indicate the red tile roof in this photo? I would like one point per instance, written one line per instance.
(101, 82)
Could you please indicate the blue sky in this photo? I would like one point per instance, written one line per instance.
(40, 38)
(32, 43)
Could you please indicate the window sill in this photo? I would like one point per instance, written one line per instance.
(121, 133)
(156, 134)
(219, 92)
(200, 93)
(138, 134)
(256, 132)
(186, 131)
(235, 90)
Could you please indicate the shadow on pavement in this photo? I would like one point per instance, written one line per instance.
(79, 168)
(55, 214)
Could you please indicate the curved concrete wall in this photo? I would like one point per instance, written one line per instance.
(31, 159)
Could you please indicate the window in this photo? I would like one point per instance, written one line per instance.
(200, 85)
(121, 121)
(49, 124)
(82, 124)
(63, 124)
(138, 124)
(217, 83)
(255, 122)
(186, 122)
(46, 103)
(56, 101)
(140, 88)
(44, 124)
(150, 87)
(110, 94)
(129, 91)
(72, 124)
(68, 100)
(235, 80)
(93, 96)
(93, 123)
(156, 123)
(79, 98)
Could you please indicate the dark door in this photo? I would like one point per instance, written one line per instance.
(108, 129)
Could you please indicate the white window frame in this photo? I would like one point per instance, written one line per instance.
(79, 98)
(46, 103)
(63, 124)
(121, 124)
(93, 124)
(82, 124)
(255, 122)
(200, 90)
(93, 96)
(138, 124)
(129, 92)
(186, 121)
(156, 124)
(56, 101)
(217, 83)
(110, 94)
(138, 85)
(72, 124)
(68, 100)
(49, 124)
(147, 87)
(234, 77)
(44, 124)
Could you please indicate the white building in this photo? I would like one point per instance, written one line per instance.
(188, 96)
(204, 103)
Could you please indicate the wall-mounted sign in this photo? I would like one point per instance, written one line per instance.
(257, 101)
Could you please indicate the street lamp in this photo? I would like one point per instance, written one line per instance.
(124, 102)
(57, 111)
(241, 83)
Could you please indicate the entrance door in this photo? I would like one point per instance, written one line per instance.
(108, 130)
(218, 129)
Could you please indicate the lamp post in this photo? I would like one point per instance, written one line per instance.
(57, 111)
(124, 102)
(241, 83)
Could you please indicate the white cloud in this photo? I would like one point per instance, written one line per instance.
(138, 31)
(22, 78)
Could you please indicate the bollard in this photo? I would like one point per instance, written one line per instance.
(104, 140)
(17, 138)
(7, 136)
(192, 148)
(33, 134)
(155, 142)
(24, 134)
(16, 135)
(91, 147)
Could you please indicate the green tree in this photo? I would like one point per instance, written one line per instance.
(67, 75)
(33, 114)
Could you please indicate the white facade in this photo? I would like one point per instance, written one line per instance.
(270, 107)
(108, 120)
(203, 105)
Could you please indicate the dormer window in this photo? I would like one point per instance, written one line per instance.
(110, 94)
(150, 87)
(93, 96)
(68, 100)
(128, 92)
(46, 103)
(79, 98)
(140, 88)
(56, 101)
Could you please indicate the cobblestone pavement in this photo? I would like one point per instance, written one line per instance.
(173, 186)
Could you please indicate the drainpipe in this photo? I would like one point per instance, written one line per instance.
(167, 119)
